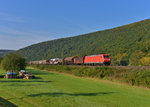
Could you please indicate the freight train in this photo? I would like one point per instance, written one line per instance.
(101, 59)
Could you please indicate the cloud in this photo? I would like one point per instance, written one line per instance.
(10, 18)
(14, 39)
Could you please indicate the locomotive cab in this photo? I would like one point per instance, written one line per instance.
(106, 58)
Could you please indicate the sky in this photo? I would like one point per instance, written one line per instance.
(26, 22)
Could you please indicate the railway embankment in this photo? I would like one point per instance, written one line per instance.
(5, 103)
(135, 76)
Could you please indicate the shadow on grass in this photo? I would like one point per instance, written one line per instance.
(37, 78)
(24, 85)
(39, 72)
(70, 94)
(2, 76)
(5, 103)
(23, 81)
(30, 79)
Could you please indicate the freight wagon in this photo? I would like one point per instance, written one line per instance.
(54, 61)
(78, 60)
(39, 62)
(69, 60)
(44, 62)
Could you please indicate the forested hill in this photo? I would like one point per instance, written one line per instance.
(4, 52)
(129, 44)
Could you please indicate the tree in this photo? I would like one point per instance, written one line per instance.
(120, 59)
(1, 58)
(145, 61)
(13, 61)
(135, 57)
(146, 46)
(124, 61)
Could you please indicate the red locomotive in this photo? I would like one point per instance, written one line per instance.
(97, 59)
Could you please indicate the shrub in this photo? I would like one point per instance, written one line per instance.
(1, 58)
(145, 61)
(135, 57)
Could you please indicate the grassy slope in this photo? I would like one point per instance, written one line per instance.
(120, 41)
(5, 103)
(51, 89)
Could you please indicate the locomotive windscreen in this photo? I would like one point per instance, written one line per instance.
(106, 56)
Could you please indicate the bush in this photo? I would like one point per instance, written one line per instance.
(145, 61)
(135, 57)
(13, 61)
(1, 58)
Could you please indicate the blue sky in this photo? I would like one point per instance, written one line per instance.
(26, 22)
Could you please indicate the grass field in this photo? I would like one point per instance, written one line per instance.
(61, 90)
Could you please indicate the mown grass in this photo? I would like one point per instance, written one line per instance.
(60, 90)
(138, 77)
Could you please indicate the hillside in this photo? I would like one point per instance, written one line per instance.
(129, 44)
(4, 52)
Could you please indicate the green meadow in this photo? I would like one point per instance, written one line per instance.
(50, 89)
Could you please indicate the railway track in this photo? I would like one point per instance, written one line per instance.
(117, 67)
